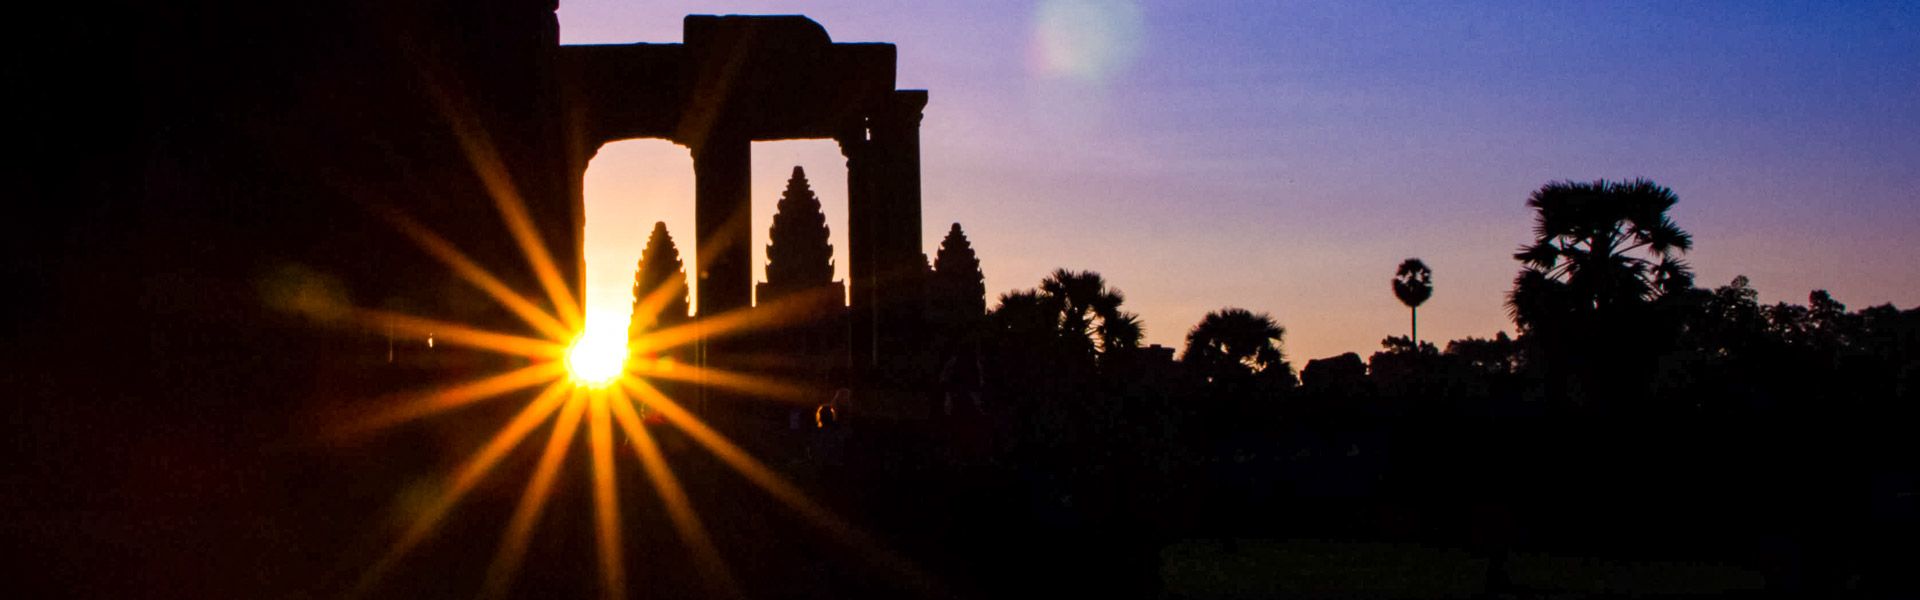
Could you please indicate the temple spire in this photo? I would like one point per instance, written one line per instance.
(659, 285)
(799, 257)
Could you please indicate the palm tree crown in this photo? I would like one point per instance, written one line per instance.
(1075, 309)
(1598, 245)
(1413, 282)
(1086, 309)
(1413, 285)
(1234, 341)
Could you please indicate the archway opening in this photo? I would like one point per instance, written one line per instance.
(629, 186)
(826, 171)
(632, 184)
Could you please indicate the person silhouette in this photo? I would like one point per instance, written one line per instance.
(830, 414)
(824, 417)
(830, 429)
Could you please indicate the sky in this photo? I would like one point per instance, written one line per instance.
(1285, 157)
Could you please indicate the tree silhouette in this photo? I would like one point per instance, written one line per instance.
(1022, 316)
(1072, 319)
(1602, 289)
(799, 259)
(1497, 356)
(1727, 321)
(957, 290)
(1598, 246)
(1413, 284)
(1234, 342)
(1829, 320)
(660, 274)
(1088, 312)
(1343, 376)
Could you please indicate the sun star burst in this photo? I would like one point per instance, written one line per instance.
(590, 380)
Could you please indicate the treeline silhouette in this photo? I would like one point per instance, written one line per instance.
(1635, 416)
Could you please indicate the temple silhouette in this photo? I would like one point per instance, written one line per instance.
(283, 280)
(234, 180)
(741, 79)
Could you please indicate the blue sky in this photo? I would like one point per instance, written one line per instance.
(1284, 157)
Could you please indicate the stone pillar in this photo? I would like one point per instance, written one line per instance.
(899, 293)
(861, 268)
(883, 237)
(722, 262)
(722, 199)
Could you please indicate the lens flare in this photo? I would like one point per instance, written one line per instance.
(1086, 40)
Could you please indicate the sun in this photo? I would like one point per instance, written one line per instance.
(597, 358)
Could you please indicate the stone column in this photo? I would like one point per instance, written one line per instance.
(899, 293)
(722, 199)
(861, 268)
(722, 263)
(883, 222)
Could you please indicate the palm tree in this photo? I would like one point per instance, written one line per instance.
(1593, 296)
(1234, 342)
(1071, 314)
(1413, 284)
(1598, 246)
(1022, 311)
(1088, 313)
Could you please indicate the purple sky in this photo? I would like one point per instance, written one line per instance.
(1285, 157)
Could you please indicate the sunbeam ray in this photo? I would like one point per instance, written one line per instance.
(658, 298)
(760, 475)
(786, 309)
(474, 274)
(513, 547)
(457, 334)
(606, 503)
(758, 385)
(394, 411)
(679, 508)
(704, 252)
(468, 475)
(485, 159)
(514, 211)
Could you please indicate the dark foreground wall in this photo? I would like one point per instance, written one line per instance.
(186, 178)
